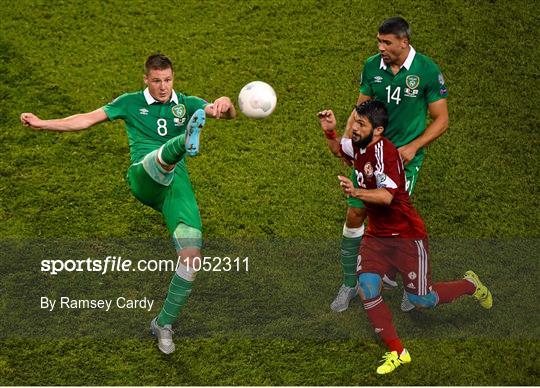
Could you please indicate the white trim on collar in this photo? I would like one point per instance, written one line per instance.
(150, 100)
(174, 97)
(408, 62)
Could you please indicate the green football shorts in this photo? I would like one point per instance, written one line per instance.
(412, 169)
(176, 201)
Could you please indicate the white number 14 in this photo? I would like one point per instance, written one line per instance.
(393, 96)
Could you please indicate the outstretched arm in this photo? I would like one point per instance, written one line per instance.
(221, 108)
(76, 122)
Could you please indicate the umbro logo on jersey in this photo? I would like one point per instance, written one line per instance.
(143, 111)
(377, 79)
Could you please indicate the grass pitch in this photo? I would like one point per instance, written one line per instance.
(267, 189)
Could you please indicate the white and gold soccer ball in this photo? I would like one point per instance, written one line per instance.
(257, 100)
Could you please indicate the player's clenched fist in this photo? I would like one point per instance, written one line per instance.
(327, 120)
(346, 185)
(30, 120)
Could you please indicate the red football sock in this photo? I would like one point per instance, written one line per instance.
(380, 318)
(448, 291)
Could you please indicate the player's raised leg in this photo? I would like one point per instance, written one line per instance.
(447, 292)
(174, 149)
(193, 132)
(425, 295)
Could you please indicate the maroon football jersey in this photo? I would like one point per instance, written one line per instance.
(380, 166)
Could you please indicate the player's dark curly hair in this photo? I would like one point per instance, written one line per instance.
(397, 26)
(375, 111)
(157, 62)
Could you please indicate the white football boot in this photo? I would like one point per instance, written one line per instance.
(344, 296)
(164, 336)
(406, 304)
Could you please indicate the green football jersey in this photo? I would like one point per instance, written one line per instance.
(149, 123)
(406, 95)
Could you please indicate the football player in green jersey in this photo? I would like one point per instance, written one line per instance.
(162, 127)
(410, 85)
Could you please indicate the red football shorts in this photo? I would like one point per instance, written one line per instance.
(382, 255)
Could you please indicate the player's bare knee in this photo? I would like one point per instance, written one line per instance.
(369, 285)
(355, 217)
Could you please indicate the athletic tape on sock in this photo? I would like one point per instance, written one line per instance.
(154, 169)
(186, 272)
(353, 232)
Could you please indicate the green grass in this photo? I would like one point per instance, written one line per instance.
(266, 189)
(256, 362)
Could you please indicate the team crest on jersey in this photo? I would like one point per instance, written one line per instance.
(368, 169)
(412, 81)
(412, 275)
(179, 110)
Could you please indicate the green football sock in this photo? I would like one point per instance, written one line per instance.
(349, 256)
(174, 150)
(177, 297)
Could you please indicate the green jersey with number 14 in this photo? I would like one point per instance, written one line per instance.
(419, 82)
(149, 123)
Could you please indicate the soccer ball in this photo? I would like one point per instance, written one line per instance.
(257, 100)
